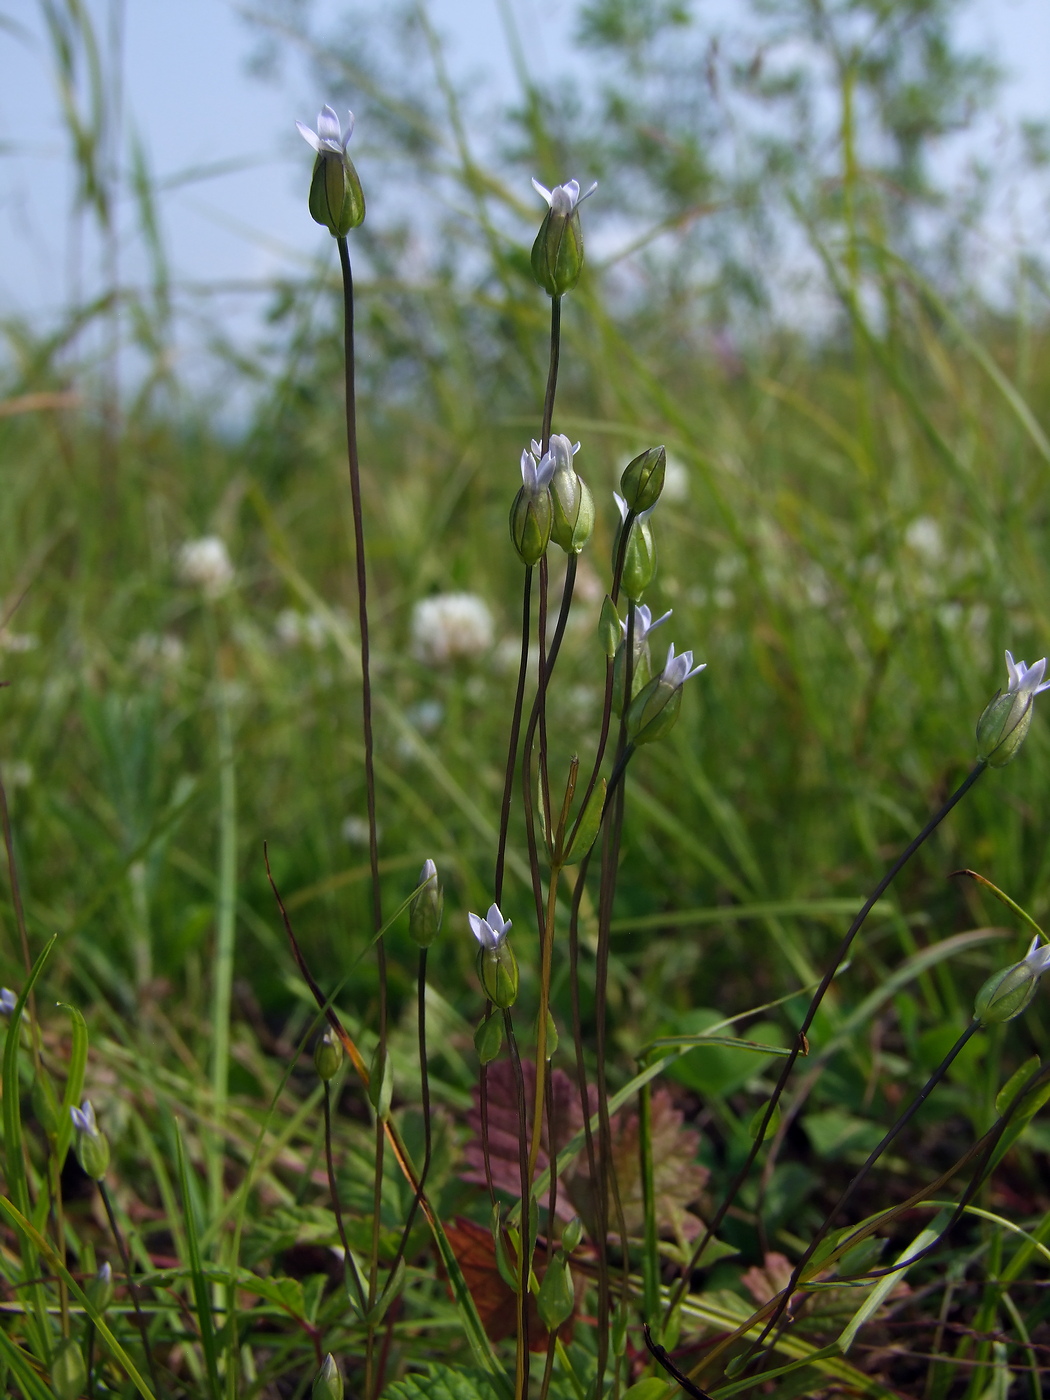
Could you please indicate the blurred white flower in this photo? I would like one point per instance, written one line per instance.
(426, 716)
(676, 482)
(355, 831)
(451, 627)
(164, 650)
(18, 641)
(16, 773)
(295, 629)
(205, 564)
(924, 536)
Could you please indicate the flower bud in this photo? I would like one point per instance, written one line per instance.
(328, 1056)
(329, 1382)
(1005, 994)
(92, 1149)
(653, 711)
(1002, 728)
(428, 903)
(100, 1289)
(498, 973)
(556, 1299)
(531, 518)
(643, 479)
(557, 254)
(639, 560)
(68, 1372)
(336, 199)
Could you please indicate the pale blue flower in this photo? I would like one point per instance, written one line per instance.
(644, 624)
(680, 669)
(492, 930)
(328, 138)
(536, 475)
(563, 199)
(84, 1118)
(1026, 680)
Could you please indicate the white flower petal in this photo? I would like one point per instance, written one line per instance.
(328, 125)
(541, 190)
(309, 135)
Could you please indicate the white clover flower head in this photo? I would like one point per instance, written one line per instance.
(328, 138)
(451, 627)
(84, 1119)
(8, 1001)
(561, 449)
(563, 199)
(1026, 680)
(205, 564)
(679, 669)
(492, 930)
(643, 623)
(536, 475)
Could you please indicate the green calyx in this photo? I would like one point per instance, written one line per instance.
(531, 519)
(498, 974)
(653, 711)
(336, 197)
(1002, 728)
(557, 254)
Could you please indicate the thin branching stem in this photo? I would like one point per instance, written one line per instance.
(512, 741)
(424, 1089)
(133, 1292)
(521, 1364)
(801, 1043)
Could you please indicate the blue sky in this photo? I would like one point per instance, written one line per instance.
(190, 97)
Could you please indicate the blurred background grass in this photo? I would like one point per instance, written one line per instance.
(850, 375)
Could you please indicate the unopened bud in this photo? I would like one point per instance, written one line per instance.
(572, 1234)
(68, 1372)
(643, 479)
(531, 518)
(1002, 728)
(328, 1056)
(639, 560)
(329, 1382)
(92, 1148)
(100, 1289)
(424, 915)
(653, 711)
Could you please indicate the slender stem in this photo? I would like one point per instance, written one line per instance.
(369, 748)
(132, 1290)
(424, 1078)
(225, 930)
(512, 742)
(801, 1043)
(548, 1365)
(349, 1263)
(552, 372)
(521, 1364)
(843, 1201)
(546, 957)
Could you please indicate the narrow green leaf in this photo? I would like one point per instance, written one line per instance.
(885, 1285)
(201, 1291)
(74, 1081)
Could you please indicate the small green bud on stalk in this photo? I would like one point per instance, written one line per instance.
(92, 1149)
(556, 1299)
(427, 907)
(654, 710)
(557, 254)
(100, 1289)
(639, 560)
(532, 515)
(497, 965)
(643, 479)
(329, 1382)
(336, 198)
(328, 1056)
(572, 505)
(1008, 992)
(1003, 726)
(68, 1372)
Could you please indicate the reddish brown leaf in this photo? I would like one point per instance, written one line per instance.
(496, 1303)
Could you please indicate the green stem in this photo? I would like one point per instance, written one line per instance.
(801, 1043)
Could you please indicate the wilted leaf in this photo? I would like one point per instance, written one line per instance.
(497, 1305)
(503, 1131)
